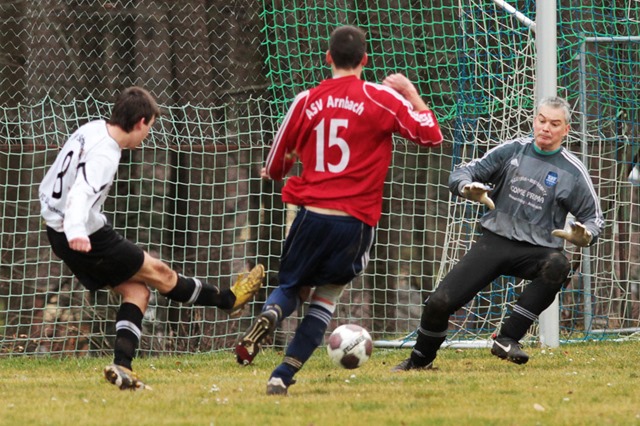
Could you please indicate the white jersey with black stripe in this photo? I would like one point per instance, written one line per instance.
(75, 187)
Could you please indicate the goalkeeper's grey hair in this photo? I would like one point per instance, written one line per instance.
(557, 102)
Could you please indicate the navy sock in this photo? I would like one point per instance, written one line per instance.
(288, 301)
(307, 338)
(286, 370)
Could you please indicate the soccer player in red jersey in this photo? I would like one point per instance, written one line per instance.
(341, 131)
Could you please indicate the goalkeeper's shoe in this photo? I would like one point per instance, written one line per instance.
(249, 345)
(277, 386)
(123, 378)
(408, 364)
(245, 288)
(509, 349)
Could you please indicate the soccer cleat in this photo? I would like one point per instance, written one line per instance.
(123, 378)
(249, 345)
(509, 349)
(276, 386)
(245, 288)
(407, 365)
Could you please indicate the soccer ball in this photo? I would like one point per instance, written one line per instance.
(349, 346)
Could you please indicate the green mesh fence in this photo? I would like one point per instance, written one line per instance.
(225, 73)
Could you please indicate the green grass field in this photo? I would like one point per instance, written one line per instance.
(577, 384)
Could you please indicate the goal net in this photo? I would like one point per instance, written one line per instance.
(224, 74)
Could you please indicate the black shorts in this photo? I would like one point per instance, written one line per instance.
(111, 261)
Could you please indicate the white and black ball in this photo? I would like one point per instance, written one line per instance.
(349, 346)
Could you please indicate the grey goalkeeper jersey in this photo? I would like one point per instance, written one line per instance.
(533, 192)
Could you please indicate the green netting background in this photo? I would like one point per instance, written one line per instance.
(225, 72)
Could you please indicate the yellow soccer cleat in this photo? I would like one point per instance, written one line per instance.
(245, 288)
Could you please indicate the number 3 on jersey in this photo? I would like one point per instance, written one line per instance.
(331, 141)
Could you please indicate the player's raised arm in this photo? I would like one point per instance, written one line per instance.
(414, 119)
(404, 86)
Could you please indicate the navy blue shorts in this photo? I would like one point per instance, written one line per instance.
(324, 249)
(111, 261)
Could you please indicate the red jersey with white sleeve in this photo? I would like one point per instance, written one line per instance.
(342, 132)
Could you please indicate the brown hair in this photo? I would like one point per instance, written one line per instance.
(347, 46)
(131, 105)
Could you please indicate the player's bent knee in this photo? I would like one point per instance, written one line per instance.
(438, 305)
(157, 274)
(556, 268)
(134, 292)
(327, 296)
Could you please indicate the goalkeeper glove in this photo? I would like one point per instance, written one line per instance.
(477, 191)
(576, 233)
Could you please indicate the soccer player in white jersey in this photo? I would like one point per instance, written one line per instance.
(534, 184)
(72, 194)
(341, 131)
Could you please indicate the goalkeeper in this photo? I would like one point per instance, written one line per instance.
(529, 185)
(72, 194)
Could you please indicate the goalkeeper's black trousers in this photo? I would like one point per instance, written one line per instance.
(490, 257)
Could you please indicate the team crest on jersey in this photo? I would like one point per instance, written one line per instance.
(551, 179)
